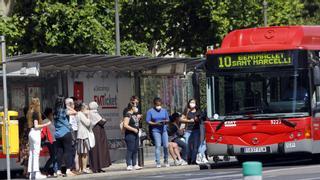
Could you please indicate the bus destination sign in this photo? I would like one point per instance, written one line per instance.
(254, 60)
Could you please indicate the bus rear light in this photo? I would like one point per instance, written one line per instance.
(299, 134)
(291, 136)
(212, 137)
(307, 132)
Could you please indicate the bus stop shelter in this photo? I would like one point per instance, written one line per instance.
(107, 79)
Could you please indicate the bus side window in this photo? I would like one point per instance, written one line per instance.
(315, 101)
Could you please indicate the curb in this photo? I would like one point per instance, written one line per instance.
(146, 171)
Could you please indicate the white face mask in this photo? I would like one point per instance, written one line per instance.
(158, 107)
(192, 105)
(135, 109)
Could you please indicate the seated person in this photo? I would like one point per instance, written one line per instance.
(175, 141)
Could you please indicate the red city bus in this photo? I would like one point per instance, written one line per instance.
(263, 93)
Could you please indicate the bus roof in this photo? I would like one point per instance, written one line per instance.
(270, 39)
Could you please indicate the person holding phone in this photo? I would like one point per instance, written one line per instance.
(157, 118)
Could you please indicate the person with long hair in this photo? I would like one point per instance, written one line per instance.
(157, 118)
(175, 142)
(191, 119)
(35, 124)
(83, 142)
(131, 124)
(63, 136)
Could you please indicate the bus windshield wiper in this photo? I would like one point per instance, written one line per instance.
(280, 117)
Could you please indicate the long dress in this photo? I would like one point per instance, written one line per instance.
(99, 154)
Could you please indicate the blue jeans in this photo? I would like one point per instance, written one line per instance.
(193, 141)
(203, 145)
(161, 138)
(132, 141)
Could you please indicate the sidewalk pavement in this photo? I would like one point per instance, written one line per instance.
(118, 170)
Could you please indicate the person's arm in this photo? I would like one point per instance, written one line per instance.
(39, 126)
(71, 111)
(184, 119)
(149, 119)
(84, 120)
(126, 125)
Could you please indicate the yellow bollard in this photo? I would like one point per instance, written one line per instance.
(13, 125)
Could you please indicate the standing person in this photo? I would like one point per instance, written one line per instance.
(35, 125)
(83, 144)
(157, 118)
(191, 118)
(201, 156)
(134, 101)
(74, 130)
(175, 142)
(50, 142)
(99, 154)
(24, 145)
(131, 125)
(63, 136)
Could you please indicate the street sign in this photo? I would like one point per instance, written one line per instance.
(21, 69)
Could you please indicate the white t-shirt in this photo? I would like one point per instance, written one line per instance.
(74, 122)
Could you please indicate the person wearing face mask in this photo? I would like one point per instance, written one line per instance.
(131, 125)
(192, 130)
(157, 118)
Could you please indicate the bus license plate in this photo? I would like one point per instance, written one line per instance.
(290, 144)
(255, 150)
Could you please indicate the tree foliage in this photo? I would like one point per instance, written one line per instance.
(157, 27)
(188, 27)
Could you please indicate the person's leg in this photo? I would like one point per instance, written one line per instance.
(51, 158)
(67, 146)
(188, 149)
(183, 147)
(54, 163)
(157, 142)
(171, 151)
(84, 161)
(130, 147)
(59, 155)
(195, 144)
(165, 143)
(176, 151)
(135, 150)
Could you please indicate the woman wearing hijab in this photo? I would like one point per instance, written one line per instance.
(99, 154)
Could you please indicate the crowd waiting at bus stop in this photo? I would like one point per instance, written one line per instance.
(74, 135)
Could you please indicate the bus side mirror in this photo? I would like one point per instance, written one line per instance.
(316, 75)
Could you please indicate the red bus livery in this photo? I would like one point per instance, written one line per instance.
(263, 92)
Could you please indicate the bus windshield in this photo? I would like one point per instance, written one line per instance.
(262, 93)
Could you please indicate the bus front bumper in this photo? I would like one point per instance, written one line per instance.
(281, 148)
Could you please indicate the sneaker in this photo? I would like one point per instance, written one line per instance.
(158, 165)
(86, 171)
(137, 167)
(70, 173)
(204, 159)
(59, 173)
(166, 164)
(40, 176)
(199, 159)
(183, 162)
(226, 158)
(177, 163)
(129, 168)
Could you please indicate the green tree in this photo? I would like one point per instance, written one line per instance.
(188, 27)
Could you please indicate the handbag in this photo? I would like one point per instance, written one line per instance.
(92, 141)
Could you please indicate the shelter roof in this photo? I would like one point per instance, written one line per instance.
(96, 62)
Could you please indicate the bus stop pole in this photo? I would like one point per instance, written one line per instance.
(5, 99)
